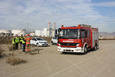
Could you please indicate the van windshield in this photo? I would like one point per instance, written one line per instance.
(69, 33)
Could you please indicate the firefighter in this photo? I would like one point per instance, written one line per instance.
(23, 43)
(28, 38)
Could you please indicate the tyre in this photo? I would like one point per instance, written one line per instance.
(37, 44)
(52, 43)
(85, 49)
(96, 47)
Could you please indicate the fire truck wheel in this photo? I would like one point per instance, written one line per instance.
(85, 49)
(96, 47)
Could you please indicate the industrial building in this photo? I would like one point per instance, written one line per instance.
(47, 32)
(5, 32)
(18, 32)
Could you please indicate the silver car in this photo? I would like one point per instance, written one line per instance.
(38, 41)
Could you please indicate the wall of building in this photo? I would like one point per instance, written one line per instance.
(45, 32)
(5, 32)
(18, 32)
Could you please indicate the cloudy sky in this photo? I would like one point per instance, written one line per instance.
(35, 14)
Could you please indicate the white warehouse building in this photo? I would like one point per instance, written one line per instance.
(5, 32)
(47, 32)
(43, 33)
(38, 32)
(18, 32)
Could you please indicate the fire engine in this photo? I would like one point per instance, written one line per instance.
(79, 38)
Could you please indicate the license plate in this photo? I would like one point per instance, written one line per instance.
(68, 50)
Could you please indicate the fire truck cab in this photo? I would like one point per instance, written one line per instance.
(79, 38)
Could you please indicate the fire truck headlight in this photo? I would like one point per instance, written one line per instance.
(77, 44)
(58, 44)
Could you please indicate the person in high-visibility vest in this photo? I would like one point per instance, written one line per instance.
(21, 38)
(15, 42)
(28, 38)
(23, 43)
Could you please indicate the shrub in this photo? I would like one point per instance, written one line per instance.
(15, 60)
(5, 40)
(10, 48)
(1, 52)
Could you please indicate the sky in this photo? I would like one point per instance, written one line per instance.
(35, 14)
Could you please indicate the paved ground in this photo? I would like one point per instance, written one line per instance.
(50, 63)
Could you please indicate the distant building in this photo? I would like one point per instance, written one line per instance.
(5, 32)
(32, 34)
(38, 32)
(51, 29)
(18, 32)
(47, 32)
(43, 33)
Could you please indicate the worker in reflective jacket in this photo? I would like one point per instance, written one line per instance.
(15, 42)
(23, 43)
(28, 38)
(21, 38)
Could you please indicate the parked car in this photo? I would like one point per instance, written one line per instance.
(54, 40)
(38, 41)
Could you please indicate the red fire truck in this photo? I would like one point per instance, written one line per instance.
(79, 38)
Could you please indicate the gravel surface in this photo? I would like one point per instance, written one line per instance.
(50, 63)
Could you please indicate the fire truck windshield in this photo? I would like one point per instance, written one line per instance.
(69, 33)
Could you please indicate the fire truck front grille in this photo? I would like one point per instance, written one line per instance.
(68, 44)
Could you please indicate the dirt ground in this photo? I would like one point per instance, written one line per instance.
(50, 63)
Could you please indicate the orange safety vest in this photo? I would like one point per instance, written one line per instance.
(28, 40)
(28, 44)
